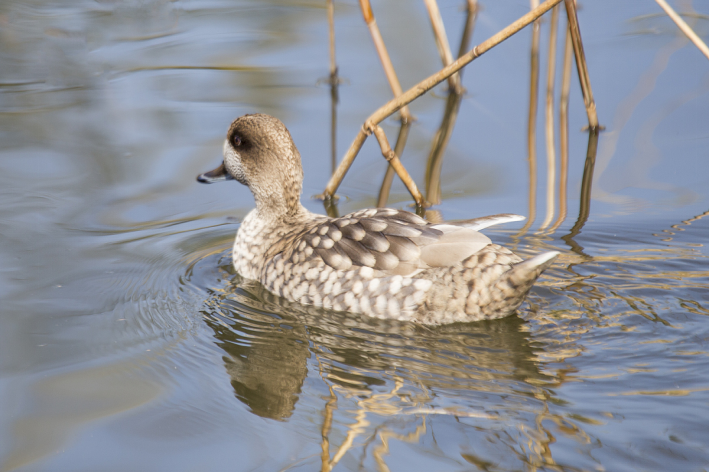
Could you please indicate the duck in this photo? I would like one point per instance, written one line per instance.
(379, 262)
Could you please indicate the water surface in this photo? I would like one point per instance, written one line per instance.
(127, 342)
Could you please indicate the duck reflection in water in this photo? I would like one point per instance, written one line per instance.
(266, 358)
(268, 343)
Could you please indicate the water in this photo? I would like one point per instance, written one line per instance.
(127, 341)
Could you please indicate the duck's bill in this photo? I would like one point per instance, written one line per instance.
(216, 175)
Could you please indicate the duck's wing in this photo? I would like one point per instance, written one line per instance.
(484, 222)
(392, 241)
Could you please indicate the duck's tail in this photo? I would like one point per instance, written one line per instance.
(526, 272)
(512, 287)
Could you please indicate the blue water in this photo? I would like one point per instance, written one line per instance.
(128, 343)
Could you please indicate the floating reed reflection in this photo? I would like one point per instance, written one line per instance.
(334, 99)
(434, 162)
(585, 198)
(678, 227)
(331, 208)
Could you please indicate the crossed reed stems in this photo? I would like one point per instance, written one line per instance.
(452, 72)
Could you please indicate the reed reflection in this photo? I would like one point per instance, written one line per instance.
(585, 198)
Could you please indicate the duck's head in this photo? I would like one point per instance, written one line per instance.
(259, 153)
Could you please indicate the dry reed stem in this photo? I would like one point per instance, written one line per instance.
(393, 159)
(331, 23)
(433, 80)
(471, 7)
(423, 87)
(439, 33)
(551, 152)
(383, 54)
(564, 132)
(532, 124)
(581, 64)
(435, 159)
(686, 29)
(389, 174)
(434, 162)
(334, 98)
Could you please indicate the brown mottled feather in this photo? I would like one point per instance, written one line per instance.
(385, 261)
(403, 230)
(403, 248)
(371, 225)
(353, 231)
(357, 252)
(375, 241)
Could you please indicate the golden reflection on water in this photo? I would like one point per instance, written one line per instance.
(384, 381)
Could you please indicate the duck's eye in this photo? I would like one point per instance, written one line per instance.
(235, 140)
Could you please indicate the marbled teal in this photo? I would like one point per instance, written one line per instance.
(384, 263)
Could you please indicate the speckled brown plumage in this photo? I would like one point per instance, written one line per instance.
(380, 262)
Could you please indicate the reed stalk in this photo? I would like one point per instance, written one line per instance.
(434, 163)
(383, 55)
(581, 64)
(439, 33)
(550, 142)
(684, 27)
(424, 86)
(532, 123)
(564, 132)
(395, 163)
(389, 174)
(331, 24)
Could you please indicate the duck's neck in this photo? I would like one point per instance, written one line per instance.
(277, 188)
(280, 205)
